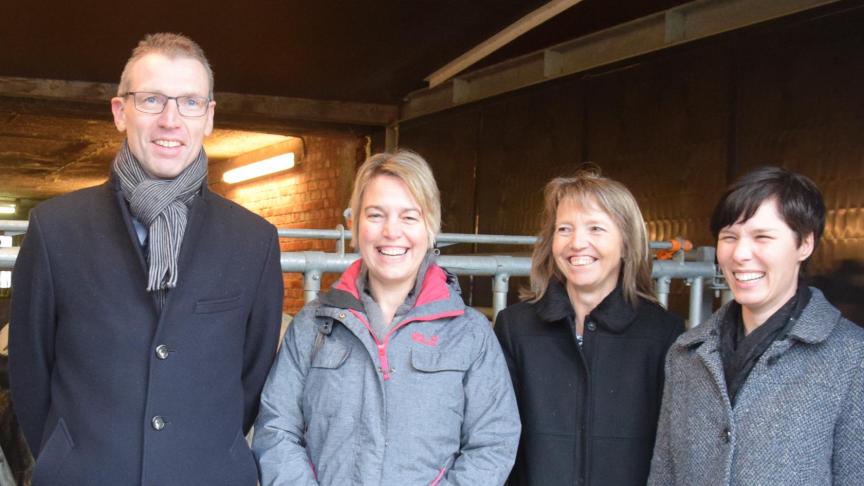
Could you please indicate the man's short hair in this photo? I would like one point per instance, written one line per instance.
(799, 202)
(170, 45)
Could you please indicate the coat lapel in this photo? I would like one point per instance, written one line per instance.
(704, 341)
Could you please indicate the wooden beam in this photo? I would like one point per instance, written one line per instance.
(228, 105)
(679, 25)
(499, 40)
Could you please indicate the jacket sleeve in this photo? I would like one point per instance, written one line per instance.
(848, 457)
(262, 331)
(32, 331)
(676, 331)
(278, 443)
(491, 426)
(662, 472)
(502, 331)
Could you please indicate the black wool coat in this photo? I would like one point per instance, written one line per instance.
(589, 415)
(110, 392)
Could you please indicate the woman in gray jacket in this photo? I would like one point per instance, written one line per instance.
(770, 390)
(389, 379)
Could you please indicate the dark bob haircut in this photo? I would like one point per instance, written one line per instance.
(799, 202)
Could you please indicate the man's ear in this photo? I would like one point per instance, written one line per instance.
(805, 249)
(211, 111)
(117, 110)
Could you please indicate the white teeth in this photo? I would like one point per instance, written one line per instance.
(581, 260)
(167, 143)
(749, 277)
(392, 251)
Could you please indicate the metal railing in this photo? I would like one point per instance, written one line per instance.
(696, 268)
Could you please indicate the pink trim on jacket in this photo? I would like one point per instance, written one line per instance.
(438, 477)
(434, 288)
(348, 281)
(381, 345)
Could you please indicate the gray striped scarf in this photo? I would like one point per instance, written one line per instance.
(162, 206)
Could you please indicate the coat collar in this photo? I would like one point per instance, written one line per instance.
(815, 324)
(613, 313)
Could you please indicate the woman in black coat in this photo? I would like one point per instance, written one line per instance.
(586, 349)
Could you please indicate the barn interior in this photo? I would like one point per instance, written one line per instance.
(674, 98)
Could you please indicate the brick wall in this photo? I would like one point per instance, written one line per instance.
(312, 195)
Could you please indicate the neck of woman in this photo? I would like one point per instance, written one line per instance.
(389, 297)
(584, 302)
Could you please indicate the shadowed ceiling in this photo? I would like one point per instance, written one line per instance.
(363, 56)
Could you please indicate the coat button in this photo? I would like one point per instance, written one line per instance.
(158, 423)
(591, 326)
(162, 351)
(726, 435)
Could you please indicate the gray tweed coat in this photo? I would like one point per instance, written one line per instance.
(798, 420)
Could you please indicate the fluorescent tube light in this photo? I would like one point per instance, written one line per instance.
(7, 208)
(258, 169)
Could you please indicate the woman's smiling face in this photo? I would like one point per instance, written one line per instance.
(392, 234)
(761, 259)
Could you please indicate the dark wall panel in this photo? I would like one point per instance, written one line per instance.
(661, 128)
(676, 127)
(801, 105)
(525, 141)
(449, 143)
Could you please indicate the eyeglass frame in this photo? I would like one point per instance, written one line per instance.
(167, 99)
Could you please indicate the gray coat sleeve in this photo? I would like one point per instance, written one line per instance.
(848, 457)
(278, 443)
(662, 472)
(491, 426)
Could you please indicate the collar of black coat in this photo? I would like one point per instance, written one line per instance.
(816, 322)
(613, 314)
(433, 283)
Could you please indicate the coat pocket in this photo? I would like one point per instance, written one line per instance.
(436, 361)
(53, 454)
(439, 380)
(323, 391)
(244, 469)
(209, 306)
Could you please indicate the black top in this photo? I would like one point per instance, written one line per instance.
(740, 351)
(589, 415)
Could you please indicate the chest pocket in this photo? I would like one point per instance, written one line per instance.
(323, 388)
(440, 379)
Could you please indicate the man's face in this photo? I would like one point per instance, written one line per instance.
(164, 143)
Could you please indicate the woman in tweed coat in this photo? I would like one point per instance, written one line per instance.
(770, 390)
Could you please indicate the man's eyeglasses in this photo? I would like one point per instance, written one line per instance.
(155, 103)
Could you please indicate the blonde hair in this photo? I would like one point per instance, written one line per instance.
(412, 170)
(170, 45)
(588, 187)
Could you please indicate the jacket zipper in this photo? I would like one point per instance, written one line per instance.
(381, 345)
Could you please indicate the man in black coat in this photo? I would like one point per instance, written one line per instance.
(145, 311)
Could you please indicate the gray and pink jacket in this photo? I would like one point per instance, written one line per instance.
(429, 403)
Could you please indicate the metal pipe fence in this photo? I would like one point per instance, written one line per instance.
(696, 268)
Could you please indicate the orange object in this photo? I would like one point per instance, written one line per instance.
(677, 245)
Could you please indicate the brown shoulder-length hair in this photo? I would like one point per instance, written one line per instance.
(588, 187)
